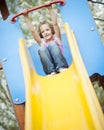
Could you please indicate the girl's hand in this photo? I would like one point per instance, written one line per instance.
(49, 7)
(25, 12)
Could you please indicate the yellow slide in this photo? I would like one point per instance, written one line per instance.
(65, 101)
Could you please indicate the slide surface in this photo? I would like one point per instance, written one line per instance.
(63, 101)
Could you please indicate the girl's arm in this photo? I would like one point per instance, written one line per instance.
(55, 24)
(31, 28)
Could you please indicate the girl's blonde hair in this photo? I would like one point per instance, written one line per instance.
(50, 25)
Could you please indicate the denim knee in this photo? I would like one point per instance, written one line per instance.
(42, 49)
(52, 45)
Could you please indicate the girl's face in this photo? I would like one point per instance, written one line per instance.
(46, 32)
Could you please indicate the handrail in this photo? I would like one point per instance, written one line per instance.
(62, 2)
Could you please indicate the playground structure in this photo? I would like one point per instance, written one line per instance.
(66, 100)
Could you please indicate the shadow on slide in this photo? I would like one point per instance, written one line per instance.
(65, 101)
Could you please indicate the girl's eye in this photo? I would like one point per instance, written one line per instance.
(42, 32)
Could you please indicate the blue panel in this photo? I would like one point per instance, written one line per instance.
(78, 15)
(9, 56)
(36, 59)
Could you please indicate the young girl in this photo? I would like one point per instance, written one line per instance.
(49, 39)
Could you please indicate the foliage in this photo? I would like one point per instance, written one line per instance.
(100, 93)
(7, 116)
(98, 13)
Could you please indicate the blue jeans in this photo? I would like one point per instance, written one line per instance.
(52, 58)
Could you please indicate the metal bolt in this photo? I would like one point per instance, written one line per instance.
(17, 99)
(92, 29)
(5, 59)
